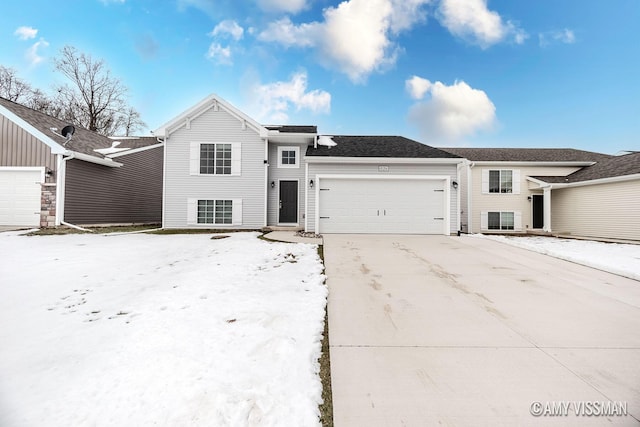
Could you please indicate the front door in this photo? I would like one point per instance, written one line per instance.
(538, 211)
(288, 202)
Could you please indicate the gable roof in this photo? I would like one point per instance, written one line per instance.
(378, 146)
(42, 126)
(615, 166)
(526, 154)
(211, 101)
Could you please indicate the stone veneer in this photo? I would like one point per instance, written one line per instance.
(48, 205)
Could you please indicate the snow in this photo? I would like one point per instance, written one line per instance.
(160, 330)
(617, 258)
(326, 141)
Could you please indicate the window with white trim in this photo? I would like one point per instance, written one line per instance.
(208, 158)
(501, 181)
(215, 211)
(500, 221)
(215, 159)
(288, 157)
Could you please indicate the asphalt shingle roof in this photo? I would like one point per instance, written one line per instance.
(294, 128)
(83, 141)
(378, 146)
(614, 166)
(527, 154)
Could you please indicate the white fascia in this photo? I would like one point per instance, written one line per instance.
(596, 181)
(506, 163)
(87, 158)
(135, 150)
(211, 101)
(381, 160)
(55, 147)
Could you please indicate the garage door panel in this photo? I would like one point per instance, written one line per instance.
(20, 197)
(413, 206)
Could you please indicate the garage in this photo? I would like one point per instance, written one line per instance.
(20, 191)
(390, 205)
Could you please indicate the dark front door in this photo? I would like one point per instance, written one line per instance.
(288, 202)
(538, 211)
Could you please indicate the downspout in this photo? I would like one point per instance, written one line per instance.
(266, 182)
(306, 195)
(164, 176)
(470, 166)
(458, 191)
(61, 187)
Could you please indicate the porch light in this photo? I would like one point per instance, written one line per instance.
(454, 184)
(528, 198)
(273, 184)
(311, 183)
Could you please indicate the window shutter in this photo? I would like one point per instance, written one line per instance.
(192, 211)
(517, 220)
(194, 158)
(236, 158)
(485, 181)
(236, 215)
(516, 181)
(484, 220)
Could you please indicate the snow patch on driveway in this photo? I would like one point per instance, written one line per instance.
(617, 258)
(159, 330)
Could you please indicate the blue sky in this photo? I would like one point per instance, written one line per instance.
(497, 73)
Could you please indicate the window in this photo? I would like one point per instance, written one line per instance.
(215, 211)
(288, 157)
(215, 159)
(500, 221)
(500, 181)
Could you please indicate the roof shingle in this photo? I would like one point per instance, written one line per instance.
(526, 154)
(378, 146)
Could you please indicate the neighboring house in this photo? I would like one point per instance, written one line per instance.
(225, 170)
(559, 191)
(600, 201)
(48, 179)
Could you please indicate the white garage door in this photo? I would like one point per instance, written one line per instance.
(403, 206)
(20, 197)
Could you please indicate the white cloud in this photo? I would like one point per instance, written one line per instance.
(26, 33)
(286, 6)
(228, 27)
(355, 36)
(473, 21)
(417, 87)
(451, 112)
(219, 54)
(274, 100)
(565, 36)
(33, 55)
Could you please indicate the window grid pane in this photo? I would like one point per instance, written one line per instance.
(506, 181)
(207, 158)
(205, 211)
(224, 211)
(223, 159)
(494, 220)
(494, 181)
(288, 157)
(507, 220)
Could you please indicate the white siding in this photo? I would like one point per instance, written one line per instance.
(372, 169)
(277, 174)
(247, 188)
(508, 202)
(605, 210)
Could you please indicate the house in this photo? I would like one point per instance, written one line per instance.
(52, 173)
(225, 170)
(559, 191)
(602, 200)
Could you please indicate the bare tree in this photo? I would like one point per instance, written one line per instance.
(12, 87)
(94, 99)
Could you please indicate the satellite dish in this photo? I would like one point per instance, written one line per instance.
(68, 132)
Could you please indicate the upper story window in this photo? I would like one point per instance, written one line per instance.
(215, 158)
(288, 157)
(500, 181)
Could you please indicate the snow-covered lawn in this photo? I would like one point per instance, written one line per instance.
(617, 258)
(163, 330)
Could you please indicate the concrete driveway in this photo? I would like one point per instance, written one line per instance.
(438, 330)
